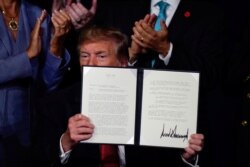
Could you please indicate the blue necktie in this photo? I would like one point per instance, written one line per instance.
(162, 14)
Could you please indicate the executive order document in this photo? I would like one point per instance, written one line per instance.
(165, 102)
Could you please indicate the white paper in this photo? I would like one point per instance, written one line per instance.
(108, 99)
(169, 108)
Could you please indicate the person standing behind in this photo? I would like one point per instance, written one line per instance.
(187, 38)
(32, 62)
(81, 14)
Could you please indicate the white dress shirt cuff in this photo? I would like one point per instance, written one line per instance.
(64, 156)
(166, 58)
(132, 64)
(189, 164)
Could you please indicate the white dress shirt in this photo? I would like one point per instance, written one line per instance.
(173, 4)
(64, 156)
(169, 12)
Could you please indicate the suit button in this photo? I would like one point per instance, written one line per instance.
(247, 78)
(248, 95)
(244, 123)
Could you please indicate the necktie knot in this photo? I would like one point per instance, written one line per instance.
(162, 14)
(163, 6)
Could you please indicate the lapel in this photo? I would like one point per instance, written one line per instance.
(4, 37)
(24, 33)
(32, 13)
(181, 21)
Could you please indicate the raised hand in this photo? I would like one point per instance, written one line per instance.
(35, 44)
(79, 128)
(146, 37)
(135, 48)
(62, 25)
(196, 144)
(79, 14)
(61, 22)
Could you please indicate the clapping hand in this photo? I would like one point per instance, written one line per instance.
(62, 25)
(136, 48)
(146, 37)
(35, 44)
(79, 14)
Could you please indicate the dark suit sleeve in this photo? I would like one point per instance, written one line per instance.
(197, 42)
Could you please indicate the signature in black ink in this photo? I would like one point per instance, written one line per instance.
(172, 133)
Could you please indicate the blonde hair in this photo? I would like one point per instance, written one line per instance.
(94, 33)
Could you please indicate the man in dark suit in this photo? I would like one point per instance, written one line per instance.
(60, 127)
(190, 39)
(194, 33)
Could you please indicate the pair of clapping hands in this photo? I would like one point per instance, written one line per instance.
(64, 13)
(78, 13)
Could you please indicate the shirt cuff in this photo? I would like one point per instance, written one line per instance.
(64, 156)
(132, 64)
(166, 58)
(196, 159)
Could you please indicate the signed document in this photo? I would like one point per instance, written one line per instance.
(140, 106)
(169, 108)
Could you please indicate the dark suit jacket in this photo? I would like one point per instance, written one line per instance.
(236, 90)
(195, 32)
(197, 46)
(52, 121)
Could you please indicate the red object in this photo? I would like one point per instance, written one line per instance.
(187, 14)
(109, 155)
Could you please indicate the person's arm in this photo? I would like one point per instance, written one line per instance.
(166, 58)
(79, 129)
(198, 49)
(136, 49)
(55, 58)
(12, 64)
(61, 27)
(194, 162)
(64, 156)
(145, 37)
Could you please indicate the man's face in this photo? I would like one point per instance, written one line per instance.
(101, 53)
